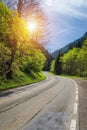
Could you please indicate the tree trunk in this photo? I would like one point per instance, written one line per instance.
(19, 7)
(8, 72)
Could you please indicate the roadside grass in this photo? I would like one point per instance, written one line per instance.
(21, 80)
(74, 77)
(69, 76)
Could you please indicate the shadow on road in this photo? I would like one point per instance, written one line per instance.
(5, 93)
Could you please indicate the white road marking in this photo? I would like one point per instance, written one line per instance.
(76, 92)
(75, 108)
(73, 125)
(76, 98)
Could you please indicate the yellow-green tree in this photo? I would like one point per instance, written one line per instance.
(15, 43)
(75, 61)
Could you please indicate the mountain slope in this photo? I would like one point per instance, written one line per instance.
(77, 43)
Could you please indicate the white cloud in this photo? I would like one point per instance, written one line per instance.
(67, 7)
(76, 2)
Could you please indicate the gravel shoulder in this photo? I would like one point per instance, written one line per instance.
(82, 85)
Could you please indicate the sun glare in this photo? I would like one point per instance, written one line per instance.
(32, 26)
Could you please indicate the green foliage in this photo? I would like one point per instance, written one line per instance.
(12, 35)
(20, 79)
(75, 61)
(52, 66)
(16, 51)
(34, 61)
(46, 53)
(69, 61)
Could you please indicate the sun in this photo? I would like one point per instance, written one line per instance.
(32, 26)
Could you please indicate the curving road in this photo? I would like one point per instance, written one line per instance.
(48, 105)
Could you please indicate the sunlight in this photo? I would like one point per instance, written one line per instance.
(32, 26)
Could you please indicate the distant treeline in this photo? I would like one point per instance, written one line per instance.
(74, 62)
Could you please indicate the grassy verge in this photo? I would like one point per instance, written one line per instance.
(22, 80)
(74, 77)
(69, 76)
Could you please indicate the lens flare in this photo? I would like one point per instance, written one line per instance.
(32, 26)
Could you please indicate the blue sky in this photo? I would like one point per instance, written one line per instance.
(67, 21)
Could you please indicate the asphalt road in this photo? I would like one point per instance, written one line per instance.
(47, 105)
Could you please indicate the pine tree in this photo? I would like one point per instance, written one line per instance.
(58, 64)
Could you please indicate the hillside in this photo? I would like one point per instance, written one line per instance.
(77, 43)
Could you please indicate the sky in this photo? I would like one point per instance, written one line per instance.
(67, 21)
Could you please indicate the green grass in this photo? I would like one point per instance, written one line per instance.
(69, 76)
(74, 77)
(21, 80)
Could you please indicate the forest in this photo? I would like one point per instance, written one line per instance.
(73, 63)
(22, 57)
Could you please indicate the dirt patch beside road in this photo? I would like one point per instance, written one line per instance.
(82, 104)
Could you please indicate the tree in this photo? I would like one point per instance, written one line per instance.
(23, 7)
(58, 64)
(12, 34)
(69, 63)
(34, 61)
(52, 66)
(75, 61)
(16, 50)
(31, 9)
(82, 60)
